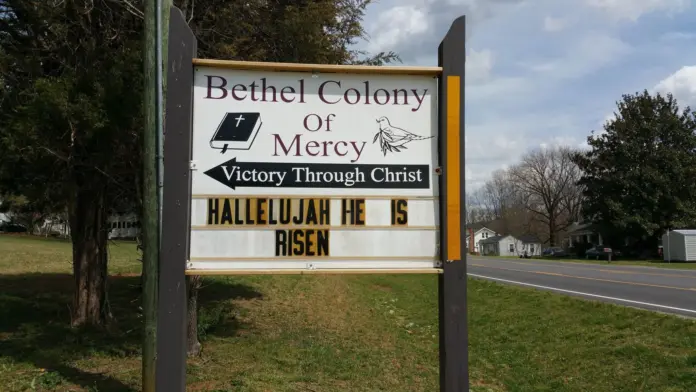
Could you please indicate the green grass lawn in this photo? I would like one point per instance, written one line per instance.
(21, 254)
(332, 333)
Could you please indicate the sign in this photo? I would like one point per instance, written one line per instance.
(288, 168)
(313, 170)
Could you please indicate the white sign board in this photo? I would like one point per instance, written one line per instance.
(300, 170)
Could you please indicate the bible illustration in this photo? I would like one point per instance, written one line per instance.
(237, 131)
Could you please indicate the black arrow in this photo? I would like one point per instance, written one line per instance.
(320, 175)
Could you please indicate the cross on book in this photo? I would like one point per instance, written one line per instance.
(237, 131)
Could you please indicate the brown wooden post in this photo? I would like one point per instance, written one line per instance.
(454, 350)
(171, 317)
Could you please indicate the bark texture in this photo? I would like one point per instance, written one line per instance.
(88, 223)
(193, 346)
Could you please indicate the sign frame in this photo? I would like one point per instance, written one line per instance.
(177, 198)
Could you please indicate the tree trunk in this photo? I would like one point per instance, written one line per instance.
(552, 230)
(89, 239)
(193, 346)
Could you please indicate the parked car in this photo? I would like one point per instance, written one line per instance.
(7, 227)
(601, 252)
(554, 252)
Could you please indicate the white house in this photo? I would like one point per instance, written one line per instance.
(124, 226)
(509, 245)
(679, 245)
(480, 234)
(3, 216)
(529, 244)
(120, 226)
(54, 225)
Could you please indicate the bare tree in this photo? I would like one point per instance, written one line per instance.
(498, 194)
(502, 202)
(474, 210)
(546, 180)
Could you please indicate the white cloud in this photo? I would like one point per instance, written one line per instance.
(594, 135)
(396, 26)
(498, 143)
(607, 118)
(594, 51)
(543, 72)
(563, 141)
(414, 28)
(554, 24)
(682, 84)
(478, 65)
(499, 88)
(677, 36)
(634, 9)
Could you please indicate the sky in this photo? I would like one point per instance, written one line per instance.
(544, 72)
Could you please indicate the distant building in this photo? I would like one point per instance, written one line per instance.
(125, 226)
(3, 216)
(679, 245)
(54, 226)
(582, 233)
(476, 233)
(509, 245)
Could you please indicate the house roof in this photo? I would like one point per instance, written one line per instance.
(526, 238)
(582, 227)
(492, 240)
(478, 231)
(476, 226)
(495, 225)
(685, 231)
(529, 239)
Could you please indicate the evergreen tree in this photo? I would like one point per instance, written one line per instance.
(639, 174)
(71, 100)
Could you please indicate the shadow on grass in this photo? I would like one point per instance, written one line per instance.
(35, 324)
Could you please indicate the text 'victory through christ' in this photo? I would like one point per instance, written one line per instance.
(273, 174)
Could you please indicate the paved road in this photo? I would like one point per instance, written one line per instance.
(663, 290)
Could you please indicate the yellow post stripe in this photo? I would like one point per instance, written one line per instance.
(453, 170)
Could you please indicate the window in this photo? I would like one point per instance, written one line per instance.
(531, 248)
(511, 247)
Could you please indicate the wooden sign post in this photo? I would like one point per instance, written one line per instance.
(308, 169)
(454, 334)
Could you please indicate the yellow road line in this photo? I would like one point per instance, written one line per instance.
(603, 270)
(587, 278)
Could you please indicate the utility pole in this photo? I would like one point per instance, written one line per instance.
(156, 18)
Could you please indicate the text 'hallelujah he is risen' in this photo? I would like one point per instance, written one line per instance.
(311, 215)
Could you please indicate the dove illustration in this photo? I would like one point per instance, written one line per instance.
(397, 136)
(393, 139)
